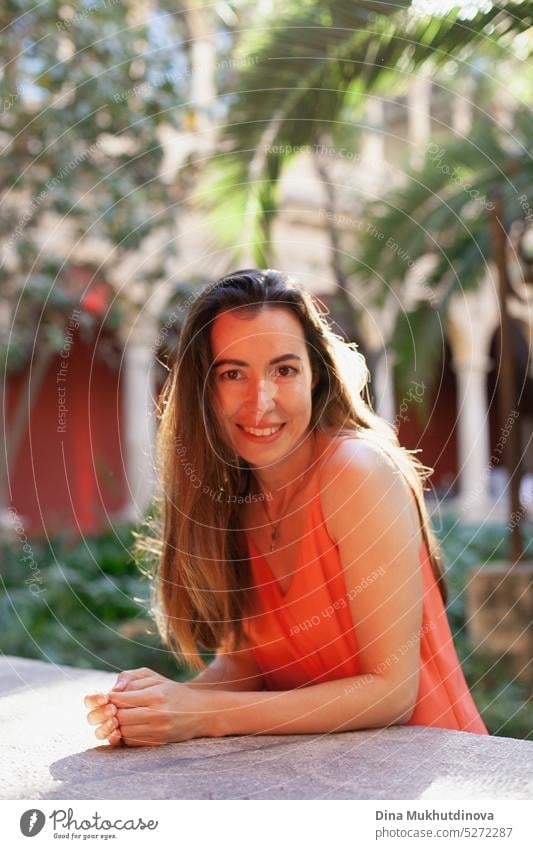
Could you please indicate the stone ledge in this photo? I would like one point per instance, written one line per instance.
(48, 751)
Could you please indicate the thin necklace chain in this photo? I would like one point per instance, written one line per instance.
(275, 525)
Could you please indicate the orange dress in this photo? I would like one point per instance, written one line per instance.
(307, 636)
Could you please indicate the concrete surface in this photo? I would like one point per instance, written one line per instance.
(48, 751)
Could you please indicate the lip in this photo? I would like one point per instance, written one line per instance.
(263, 439)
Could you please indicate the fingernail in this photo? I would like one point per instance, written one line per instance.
(110, 724)
(110, 710)
(102, 700)
(120, 684)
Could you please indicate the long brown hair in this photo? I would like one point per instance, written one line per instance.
(200, 565)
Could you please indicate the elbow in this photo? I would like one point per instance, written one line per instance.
(408, 706)
(404, 717)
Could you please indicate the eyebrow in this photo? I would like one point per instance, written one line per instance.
(273, 362)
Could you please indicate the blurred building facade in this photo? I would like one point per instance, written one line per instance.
(101, 468)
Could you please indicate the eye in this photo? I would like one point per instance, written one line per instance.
(222, 376)
(226, 374)
(291, 368)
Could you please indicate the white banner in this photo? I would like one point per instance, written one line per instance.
(313, 824)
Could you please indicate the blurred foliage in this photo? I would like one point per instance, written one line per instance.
(443, 209)
(293, 88)
(83, 94)
(502, 701)
(93, 613)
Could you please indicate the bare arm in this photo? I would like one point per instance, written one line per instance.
(237, 671)
(347, 704)
(375, 527)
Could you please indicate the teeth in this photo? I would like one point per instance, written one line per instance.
(264, 432)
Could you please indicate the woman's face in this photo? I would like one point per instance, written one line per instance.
(263, 381)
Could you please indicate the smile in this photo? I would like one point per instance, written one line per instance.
(262, 434)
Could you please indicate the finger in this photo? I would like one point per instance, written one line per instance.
(95, 700)
(140, 735)
(115, 734)
(128, 675)
(127, 717)
(100, 715)
(138, 684)
(130, 698)
(103, 731)
(115, 739)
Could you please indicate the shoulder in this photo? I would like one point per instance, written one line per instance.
(360, 483)
(371, 514)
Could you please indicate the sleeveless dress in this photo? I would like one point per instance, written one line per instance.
(306, 636)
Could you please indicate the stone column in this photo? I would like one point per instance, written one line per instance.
(376, 326)
(373, 138)
(140, 419)
(472, 320)
(384, 386)
(462, 106)
(419, 117)
(372, 172)
(473, 434)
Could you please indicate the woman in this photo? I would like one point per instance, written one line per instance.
(293, 539)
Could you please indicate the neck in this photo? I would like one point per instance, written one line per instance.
(280, 480)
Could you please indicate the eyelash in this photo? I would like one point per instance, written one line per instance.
(230, 371)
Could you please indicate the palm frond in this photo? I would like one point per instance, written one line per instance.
(443, 208)
(300, 72)
(418, 346)
(294, 81)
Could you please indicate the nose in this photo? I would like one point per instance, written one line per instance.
(264, 398)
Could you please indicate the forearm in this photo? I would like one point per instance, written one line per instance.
(346, 704)
(223, 673)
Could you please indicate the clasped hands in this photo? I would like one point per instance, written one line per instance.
(147, 709)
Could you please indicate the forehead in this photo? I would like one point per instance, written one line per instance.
(269, 328)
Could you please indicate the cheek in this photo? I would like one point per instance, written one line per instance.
(295, 401)
(221, 397)
(226, 400)
(229, 407)
(303, 390)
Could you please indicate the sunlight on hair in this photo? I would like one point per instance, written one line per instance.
(350, 363)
